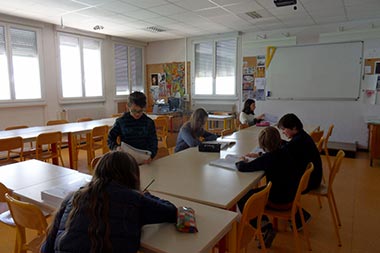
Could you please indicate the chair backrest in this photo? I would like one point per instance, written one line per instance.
(15, 127)
(56, 122)
(84, 119)
(26, 216)
(325, 145)
(335, 168)
(226, 132)
(94, 162)
(3, 190)
(253, 208)
(320, 144)
(116, 115)
(162, 126)
(99, 136)
(49, 139)
(317, 135)
(9, 144)
(302, 187)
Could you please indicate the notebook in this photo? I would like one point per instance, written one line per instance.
(228, 162)
(139, 154)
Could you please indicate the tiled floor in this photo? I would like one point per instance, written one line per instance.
(357, 190)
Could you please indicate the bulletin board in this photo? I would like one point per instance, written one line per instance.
(166, 80)
(370, 64)
(253, 80)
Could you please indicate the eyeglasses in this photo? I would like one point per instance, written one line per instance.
(133, 111)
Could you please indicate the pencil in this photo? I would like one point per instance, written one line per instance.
(146, 188)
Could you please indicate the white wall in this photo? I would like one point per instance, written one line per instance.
(166, 51)
(39, 114)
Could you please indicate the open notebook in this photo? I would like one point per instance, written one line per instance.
(139, 154)
(228, 162)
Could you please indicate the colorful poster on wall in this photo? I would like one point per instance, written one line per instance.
(175, 78)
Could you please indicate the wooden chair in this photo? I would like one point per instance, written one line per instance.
(27, 216)
(171, 142)
(48, 146)
(296, 206)
(116, 115)
(316, 135)
(96, 139)
(94, 162)
(325, 146)
(28, 147)
(84, 119)
(65, 141)
(253, 209)
(162, 126)
(327, 191)
(239, 125)
(5, 215)
(56, 122)
(9, 145)
(226, 132)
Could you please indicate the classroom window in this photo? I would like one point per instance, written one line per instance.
(128, 69)
(81, 66)
(215, 68)
(19, 64)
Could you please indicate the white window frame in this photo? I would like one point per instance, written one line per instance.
(29, 101)
(143, 86)
(83, 98)
(214, 96)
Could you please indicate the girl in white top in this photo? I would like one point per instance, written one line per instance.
(247, 116)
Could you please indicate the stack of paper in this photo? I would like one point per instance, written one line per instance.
(54, 196)
(228, 162)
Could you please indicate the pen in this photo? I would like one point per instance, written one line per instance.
(146, 188)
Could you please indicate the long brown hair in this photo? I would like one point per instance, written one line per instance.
(197, 122)
(114, 166)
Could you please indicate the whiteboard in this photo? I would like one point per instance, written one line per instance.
(320, 71)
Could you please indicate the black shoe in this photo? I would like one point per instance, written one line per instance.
(307, 217)
(268, 235)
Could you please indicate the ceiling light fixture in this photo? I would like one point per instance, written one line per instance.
(98, 27)
(264, 36)
(155, 29)
(62, 26)
(253, 14)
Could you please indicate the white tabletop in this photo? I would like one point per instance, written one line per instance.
(188, 175)
(31, 172)
(212, 223)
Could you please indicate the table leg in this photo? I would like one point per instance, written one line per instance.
(73, 157)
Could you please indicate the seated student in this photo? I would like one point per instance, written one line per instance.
(107, 214)
(135, 127)
(247, 115)
(280, 169)
(303, 148)
(192, 132)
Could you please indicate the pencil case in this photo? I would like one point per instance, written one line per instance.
(186, 220)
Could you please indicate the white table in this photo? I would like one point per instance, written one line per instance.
(188, 175)
(213, 223)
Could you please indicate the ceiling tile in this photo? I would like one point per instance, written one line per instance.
(212, 12)
(243, 7)
(145, 3)
(195, 4)
(168, 9)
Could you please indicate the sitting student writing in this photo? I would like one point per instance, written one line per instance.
(192, 133)
(247, 115)
(280, 168)
(135, 128)
(108, 213)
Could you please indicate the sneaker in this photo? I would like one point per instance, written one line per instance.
(268, 235)
(307, 217)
